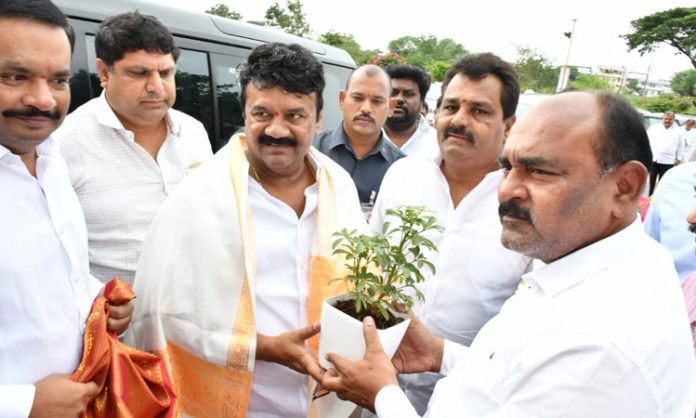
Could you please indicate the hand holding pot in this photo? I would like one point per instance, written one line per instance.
(419, 351)
(290, 349)
(360, 382)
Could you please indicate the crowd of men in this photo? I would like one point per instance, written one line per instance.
(550, 297)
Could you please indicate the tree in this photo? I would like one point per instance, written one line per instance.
(684, 83)
(589, 82)
(424, 51)
(347, 42)
(222, 10)
(664, 103)
(438, 69)
(675, 27)
(535, 71)
(291, 19)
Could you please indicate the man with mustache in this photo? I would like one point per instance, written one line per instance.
(406, 127)
(475, 274)
(238, 261)
(46, 290)
(128, 149)
(359, 145)
(599, 329)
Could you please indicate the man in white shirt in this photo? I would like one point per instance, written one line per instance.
(475, 273)
(238, 260)
(406, 127)
(127, 149)
(599, 330)
(666, 145)
(45, 287)
(689, 141)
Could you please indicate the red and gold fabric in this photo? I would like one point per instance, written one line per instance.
(132, 383)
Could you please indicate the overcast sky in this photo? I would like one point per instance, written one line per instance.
(495, 26)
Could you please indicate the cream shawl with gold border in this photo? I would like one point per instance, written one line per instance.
(195, 280)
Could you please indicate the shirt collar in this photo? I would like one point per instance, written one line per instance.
(106, 116)
(566, 272)
(339, 137)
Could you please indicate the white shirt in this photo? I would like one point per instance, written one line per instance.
(45, 288)
(283, 244)
(601, 332)
(475, 273)
(689, 143)
(423, 142)
(666, 144)
(120, 186)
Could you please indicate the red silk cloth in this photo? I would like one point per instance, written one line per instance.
(132, 383)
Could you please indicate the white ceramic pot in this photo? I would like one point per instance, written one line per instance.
(342, 334)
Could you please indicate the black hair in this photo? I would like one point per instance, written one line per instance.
(130, 32)
(411, 72)
(479, 66)
(290, 67)
(622, 137)
(42, 11)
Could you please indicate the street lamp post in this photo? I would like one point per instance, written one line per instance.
(565, 70)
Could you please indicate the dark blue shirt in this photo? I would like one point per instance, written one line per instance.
(367, 172)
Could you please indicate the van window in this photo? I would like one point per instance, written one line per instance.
(335, 81)
(227, 90)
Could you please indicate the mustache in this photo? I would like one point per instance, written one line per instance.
(269, 140)
(31, 112)
(366, 117)
(461, 131)
(511, 208)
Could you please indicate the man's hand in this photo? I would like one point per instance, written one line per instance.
(290, 349)
(419, 351)
(119, 317)
(59, 397)
(361, 381)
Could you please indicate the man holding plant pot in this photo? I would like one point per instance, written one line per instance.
(238, 260)
(599, 330)
(475, 274)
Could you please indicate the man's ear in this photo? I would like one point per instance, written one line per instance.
(508, 125)
(341, 98)
(103, 71)
(320, 119)
(630, 180)
(392, 106)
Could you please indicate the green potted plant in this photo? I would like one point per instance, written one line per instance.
(383, 273)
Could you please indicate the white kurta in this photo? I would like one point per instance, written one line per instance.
(45, 287)
(601, 332)
(475, 273)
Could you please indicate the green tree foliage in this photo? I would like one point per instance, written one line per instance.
(291, 19)
(675, 27)
(222, 10)
(589, 82)
(438, 69)
(424, 51)
(632, 86)
(347, 42)
(684, 83)
(535, 71)
(665, 103)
